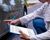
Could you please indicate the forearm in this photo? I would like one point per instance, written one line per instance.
(27, 18)
(17, 21)
(31, 16)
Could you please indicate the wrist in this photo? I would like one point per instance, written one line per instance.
(18, 21)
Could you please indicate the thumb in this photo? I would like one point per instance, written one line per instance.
(13, 23)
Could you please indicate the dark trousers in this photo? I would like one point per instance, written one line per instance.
(10, 36)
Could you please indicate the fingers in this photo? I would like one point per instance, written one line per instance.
(7, 21)
(24, 36)
(13, 23)
(10, 22)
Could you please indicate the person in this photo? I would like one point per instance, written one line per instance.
(25, 9)
(43, 12)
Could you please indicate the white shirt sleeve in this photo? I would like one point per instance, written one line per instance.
(42, 36)
(31, 16)
(45, 35)
(27, 18)
(47, 14)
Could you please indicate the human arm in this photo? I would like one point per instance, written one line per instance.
(34, 14)
(25, 36)
(43, 36)
(30, 16)
(16, 21)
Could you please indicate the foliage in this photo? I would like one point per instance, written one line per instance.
(25, 2)
(16, 1)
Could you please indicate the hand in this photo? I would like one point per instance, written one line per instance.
(17, 21)
(7, 21)
(24, 36)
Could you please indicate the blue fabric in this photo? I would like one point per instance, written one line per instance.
(39, 25)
